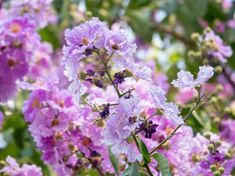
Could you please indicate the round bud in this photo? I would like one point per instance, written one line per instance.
(2, 164)
(218, 143)
(211, 147)
(207, 30)
(100, 123)
(227, 110)
(217, 119)
(219, 88)
(218, 69)
(214, 99)
(207, 135)
(216, 173)
(89, 14)
(221, 170)
(213, 168)
(205, 61)
(227, 155)
(195, 36)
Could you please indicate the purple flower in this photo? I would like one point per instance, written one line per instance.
(169, 109)
(39, 11)
(15, 55)
(217, 48)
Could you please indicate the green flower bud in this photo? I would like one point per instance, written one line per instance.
(89, 14)
(227, 110)
(211, 147)
(207, 30)
(207, 135)
(195, 36)
(214, 99)
(227, 155)
(218, 143)
(205, 61)
(216, 173)
(219, 88)
(218, 69)
(213, 168)
(2, 164)
(221, 170)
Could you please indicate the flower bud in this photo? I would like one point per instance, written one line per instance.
(227, 110)
(89, 14)
(2, 164)
(227, 155)
(219, 88)
(205, 62)
(217, 119)
(207, 135)
(216, 173)
(214, 99)
(218, 143)
(218, 69)
(213, 168)
(221, 170)
(195, 36)
(207, 30)
(211, 147)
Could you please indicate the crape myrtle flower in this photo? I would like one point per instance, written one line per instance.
(169, 109)
(185, 79)
(13, 168)
(93, 41)
(40, 12)
(227, 130)
(61, 130)
(215, 46)
(119, 127)
(18, 40)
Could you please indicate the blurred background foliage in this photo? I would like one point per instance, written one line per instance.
(170, 21)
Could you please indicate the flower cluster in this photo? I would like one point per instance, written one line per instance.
(21, 51)
(93, 42)
(39, 11)
(96, 106)
(211, 46)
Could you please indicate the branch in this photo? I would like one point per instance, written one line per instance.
(171, 32)
(176, 129)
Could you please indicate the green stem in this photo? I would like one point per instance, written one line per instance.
(146, 166)
(176, 129)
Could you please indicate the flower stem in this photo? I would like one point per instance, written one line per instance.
(176, 129)
(146, 166)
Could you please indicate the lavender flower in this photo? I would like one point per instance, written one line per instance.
(39, 11)
(216, 47)
(185, 79)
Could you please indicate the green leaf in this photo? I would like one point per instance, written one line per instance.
(144, 151)
(140, 22)
(132, 170)
(135, 4)
(163, 165)
(114, 160)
